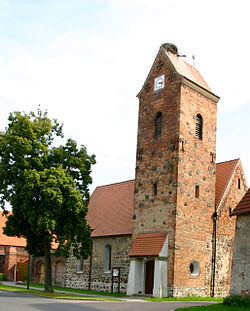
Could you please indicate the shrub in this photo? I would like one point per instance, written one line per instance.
(237, 301)
(3, 277)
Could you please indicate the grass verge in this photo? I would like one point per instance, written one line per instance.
(82, 291)
(189, 298)
(215, 307)
(55, 295)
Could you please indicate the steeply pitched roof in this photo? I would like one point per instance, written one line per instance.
(111, 208)
(224, 172)
(147, 244)
(244, 206)
(185, 69)
(9, 240)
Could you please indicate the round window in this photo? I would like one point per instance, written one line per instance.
(194, 268)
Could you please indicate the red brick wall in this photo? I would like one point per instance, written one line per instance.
(193, 220)
(13, 255)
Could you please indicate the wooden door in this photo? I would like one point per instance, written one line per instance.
(22, 271)
(149, 277)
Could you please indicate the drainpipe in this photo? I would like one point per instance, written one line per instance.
(215, 219)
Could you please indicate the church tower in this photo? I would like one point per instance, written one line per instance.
(174, 194)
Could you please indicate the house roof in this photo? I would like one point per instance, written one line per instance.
(111, 208)
(9, 240)
(244, 206)
(224, 173)
(185, 69)
(147, 244)
(12, 240)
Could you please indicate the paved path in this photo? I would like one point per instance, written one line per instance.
(10, 301)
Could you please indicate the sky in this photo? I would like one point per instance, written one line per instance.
(86, 60)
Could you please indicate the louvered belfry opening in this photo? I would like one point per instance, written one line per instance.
(198, 128)
(158, 123)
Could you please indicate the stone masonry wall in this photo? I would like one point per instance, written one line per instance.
(100, 281)
(240, 282)
(226, 233)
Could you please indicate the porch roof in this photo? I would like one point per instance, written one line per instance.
(147, 244)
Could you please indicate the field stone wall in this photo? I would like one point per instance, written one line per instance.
(98, 279)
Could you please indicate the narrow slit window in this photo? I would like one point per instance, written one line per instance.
(197, 191)
(158, 124)
(198, 126)
(239, 184)
(154, 188)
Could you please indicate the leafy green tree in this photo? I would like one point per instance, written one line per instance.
(46, 186)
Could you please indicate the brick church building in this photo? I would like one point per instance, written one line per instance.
(170, 230)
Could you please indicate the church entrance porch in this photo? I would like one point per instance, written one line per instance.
(148, 265)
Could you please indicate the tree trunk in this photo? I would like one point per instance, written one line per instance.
(48, 274)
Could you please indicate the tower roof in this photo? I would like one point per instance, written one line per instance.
(189, 74)
(183, 68)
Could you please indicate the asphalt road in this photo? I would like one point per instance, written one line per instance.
(19, 302)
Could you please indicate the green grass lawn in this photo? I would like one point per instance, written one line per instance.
(124, 295)
(83, 291)
(215, 307)
(55, 295)
(189, 298)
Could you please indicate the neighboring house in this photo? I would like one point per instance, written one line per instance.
(240, 281)
(12, 252)
(169, 231)
(14, 260)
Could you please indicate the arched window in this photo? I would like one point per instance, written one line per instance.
(158, 123)
(107, 259)
(198, 126)
(79, 265)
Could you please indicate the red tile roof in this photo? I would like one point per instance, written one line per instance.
(244, 206)
(111, 209)
(224, 172)
(12, 240)
(9, 240)
(147, 244)
(185, 69)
